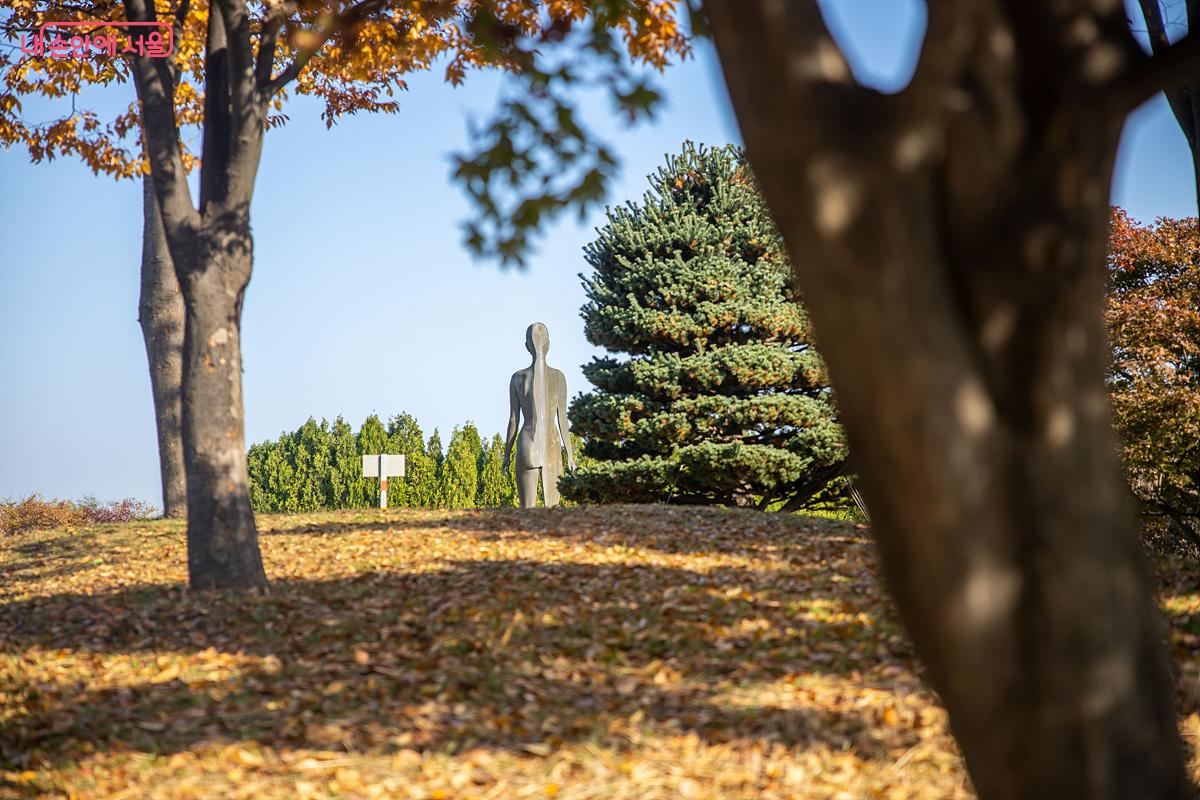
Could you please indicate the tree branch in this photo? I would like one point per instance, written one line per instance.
(1155, 26)
(153, 82)
(176, 34)
(217, 142)
(353, 14)
(247, 105)
(243, 91)
(1160, 43)
(1177, 65)
(277, 12)
(180, 17)
(1182, 528)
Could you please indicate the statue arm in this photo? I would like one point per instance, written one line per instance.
(514, 419)
(564, 425)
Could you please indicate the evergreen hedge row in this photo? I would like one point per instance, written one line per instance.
(319, 466)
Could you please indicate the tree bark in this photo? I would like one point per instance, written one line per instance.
(950, 245)
(222, 538)
(160, 314)
(213, 254)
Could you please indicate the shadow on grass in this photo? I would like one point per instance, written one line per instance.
(502, 654)
(42, 556)
(665, 528)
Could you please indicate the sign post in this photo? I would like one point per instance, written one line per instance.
(382, 467)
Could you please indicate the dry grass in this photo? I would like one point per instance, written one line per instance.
(615, 653)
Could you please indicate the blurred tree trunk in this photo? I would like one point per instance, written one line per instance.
(160, 313)
(950, 244)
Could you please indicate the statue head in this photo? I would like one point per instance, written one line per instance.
(537, 339)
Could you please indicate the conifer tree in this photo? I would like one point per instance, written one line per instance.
(311, 450)
(434, 450)
(319, 466)
(372, 440)
(346, 483)
(421, 478)
(406, 438)
(257, 468)
(493, 483)
(722, 398)
(278, 475)
(459, 481)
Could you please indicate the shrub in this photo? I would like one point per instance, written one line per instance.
(34, 513)
(126, 510)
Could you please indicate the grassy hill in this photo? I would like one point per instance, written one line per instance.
(615, 652)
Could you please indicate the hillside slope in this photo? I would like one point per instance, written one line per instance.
(614, 652)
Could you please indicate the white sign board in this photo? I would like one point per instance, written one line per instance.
(383, 467)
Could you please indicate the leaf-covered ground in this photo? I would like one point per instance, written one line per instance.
(619, 652)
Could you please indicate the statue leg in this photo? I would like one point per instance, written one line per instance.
(527, 483)
(550, 478)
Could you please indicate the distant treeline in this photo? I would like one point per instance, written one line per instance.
(319, 466)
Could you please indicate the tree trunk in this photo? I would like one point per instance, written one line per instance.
(160, 313)
(222, 539)
(1195, 151)
(954, 272)
(213, 253)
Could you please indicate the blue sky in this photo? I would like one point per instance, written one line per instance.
(363, 299)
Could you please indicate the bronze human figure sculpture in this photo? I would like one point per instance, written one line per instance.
(539, 394)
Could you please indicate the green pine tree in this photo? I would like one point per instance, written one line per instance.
(433, 449)
(493, 483)
(256, 465)
(510, 479)
(722, 398)
(372, 440)
(346, 483)
(310, 451)
(283, 484)
(459, 480)
(420, 480)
